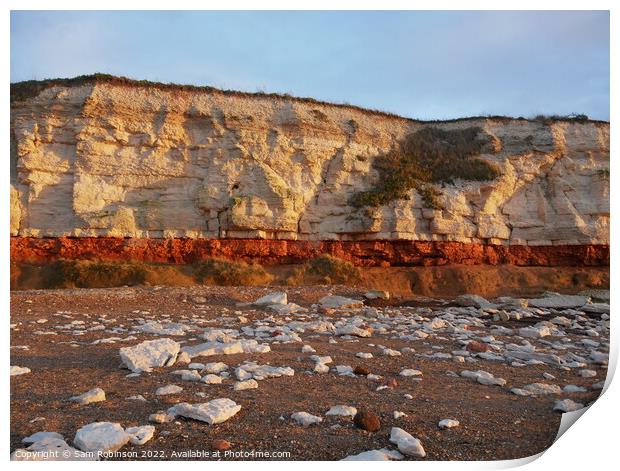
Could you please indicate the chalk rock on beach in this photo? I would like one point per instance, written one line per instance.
(168, 389)
(140, 435)
(448, 423)
(50, 449)
(101, 437)
(273, 298)
(216, 347)
(306, 419)
(344, 411)
(375, 455)
(212, 412)
(39, 436)
(350, 329)
(473, 300)
(94, 395)
(150, 354)
(567, 405)
(19, 370)
(340, 302)
(406, 443)
(559, 301)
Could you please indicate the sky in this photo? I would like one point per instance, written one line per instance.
(424, 65)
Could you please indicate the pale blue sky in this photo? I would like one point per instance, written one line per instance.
(426, 65)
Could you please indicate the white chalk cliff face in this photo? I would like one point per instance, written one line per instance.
(129, 161)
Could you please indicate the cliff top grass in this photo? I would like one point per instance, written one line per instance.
(21, 91)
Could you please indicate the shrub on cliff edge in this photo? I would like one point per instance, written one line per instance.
(424, 158)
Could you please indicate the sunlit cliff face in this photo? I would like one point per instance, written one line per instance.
(104, 160)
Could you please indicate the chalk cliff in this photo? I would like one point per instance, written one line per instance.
(103, 159)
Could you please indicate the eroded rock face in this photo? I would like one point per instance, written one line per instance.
(128, 161)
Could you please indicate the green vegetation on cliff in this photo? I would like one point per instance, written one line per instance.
(424, 158)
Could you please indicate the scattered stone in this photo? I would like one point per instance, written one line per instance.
(484, 377)
(307, 349)
(49, 449)
(39, 436)
(350, 329)
(215, 368)
(306, 419)
(587, 373)
(559, 301)
(534, 332)
(101, 437)
(448, 423)
(340, 302)
(215, 347)
(211, 379)
(243, 385)
(188, 375)
(363, 355)
(140, 435)
(251, 369)
(94, 395)
(273, 298)
(169, 389)
(371, 455)
(183, 358)
(406, 443)
(361, 370)
(377, 294)
(473, 300)
(213, 412)
(344, 370)
(542, 389)
(19, 370)
(391, 353)
(345, 411)
(138, 397)
(367, 420)
(150, 354)
(572, 388)
(410, 372)
(161, 417)
(398, 414)
(567, 405)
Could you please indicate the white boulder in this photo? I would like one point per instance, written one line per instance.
(344, 411)
(306, 419)
(150, 354)
(94, 395)
(213, 412)
(406, 443)
(101, 437)
(140, 435)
